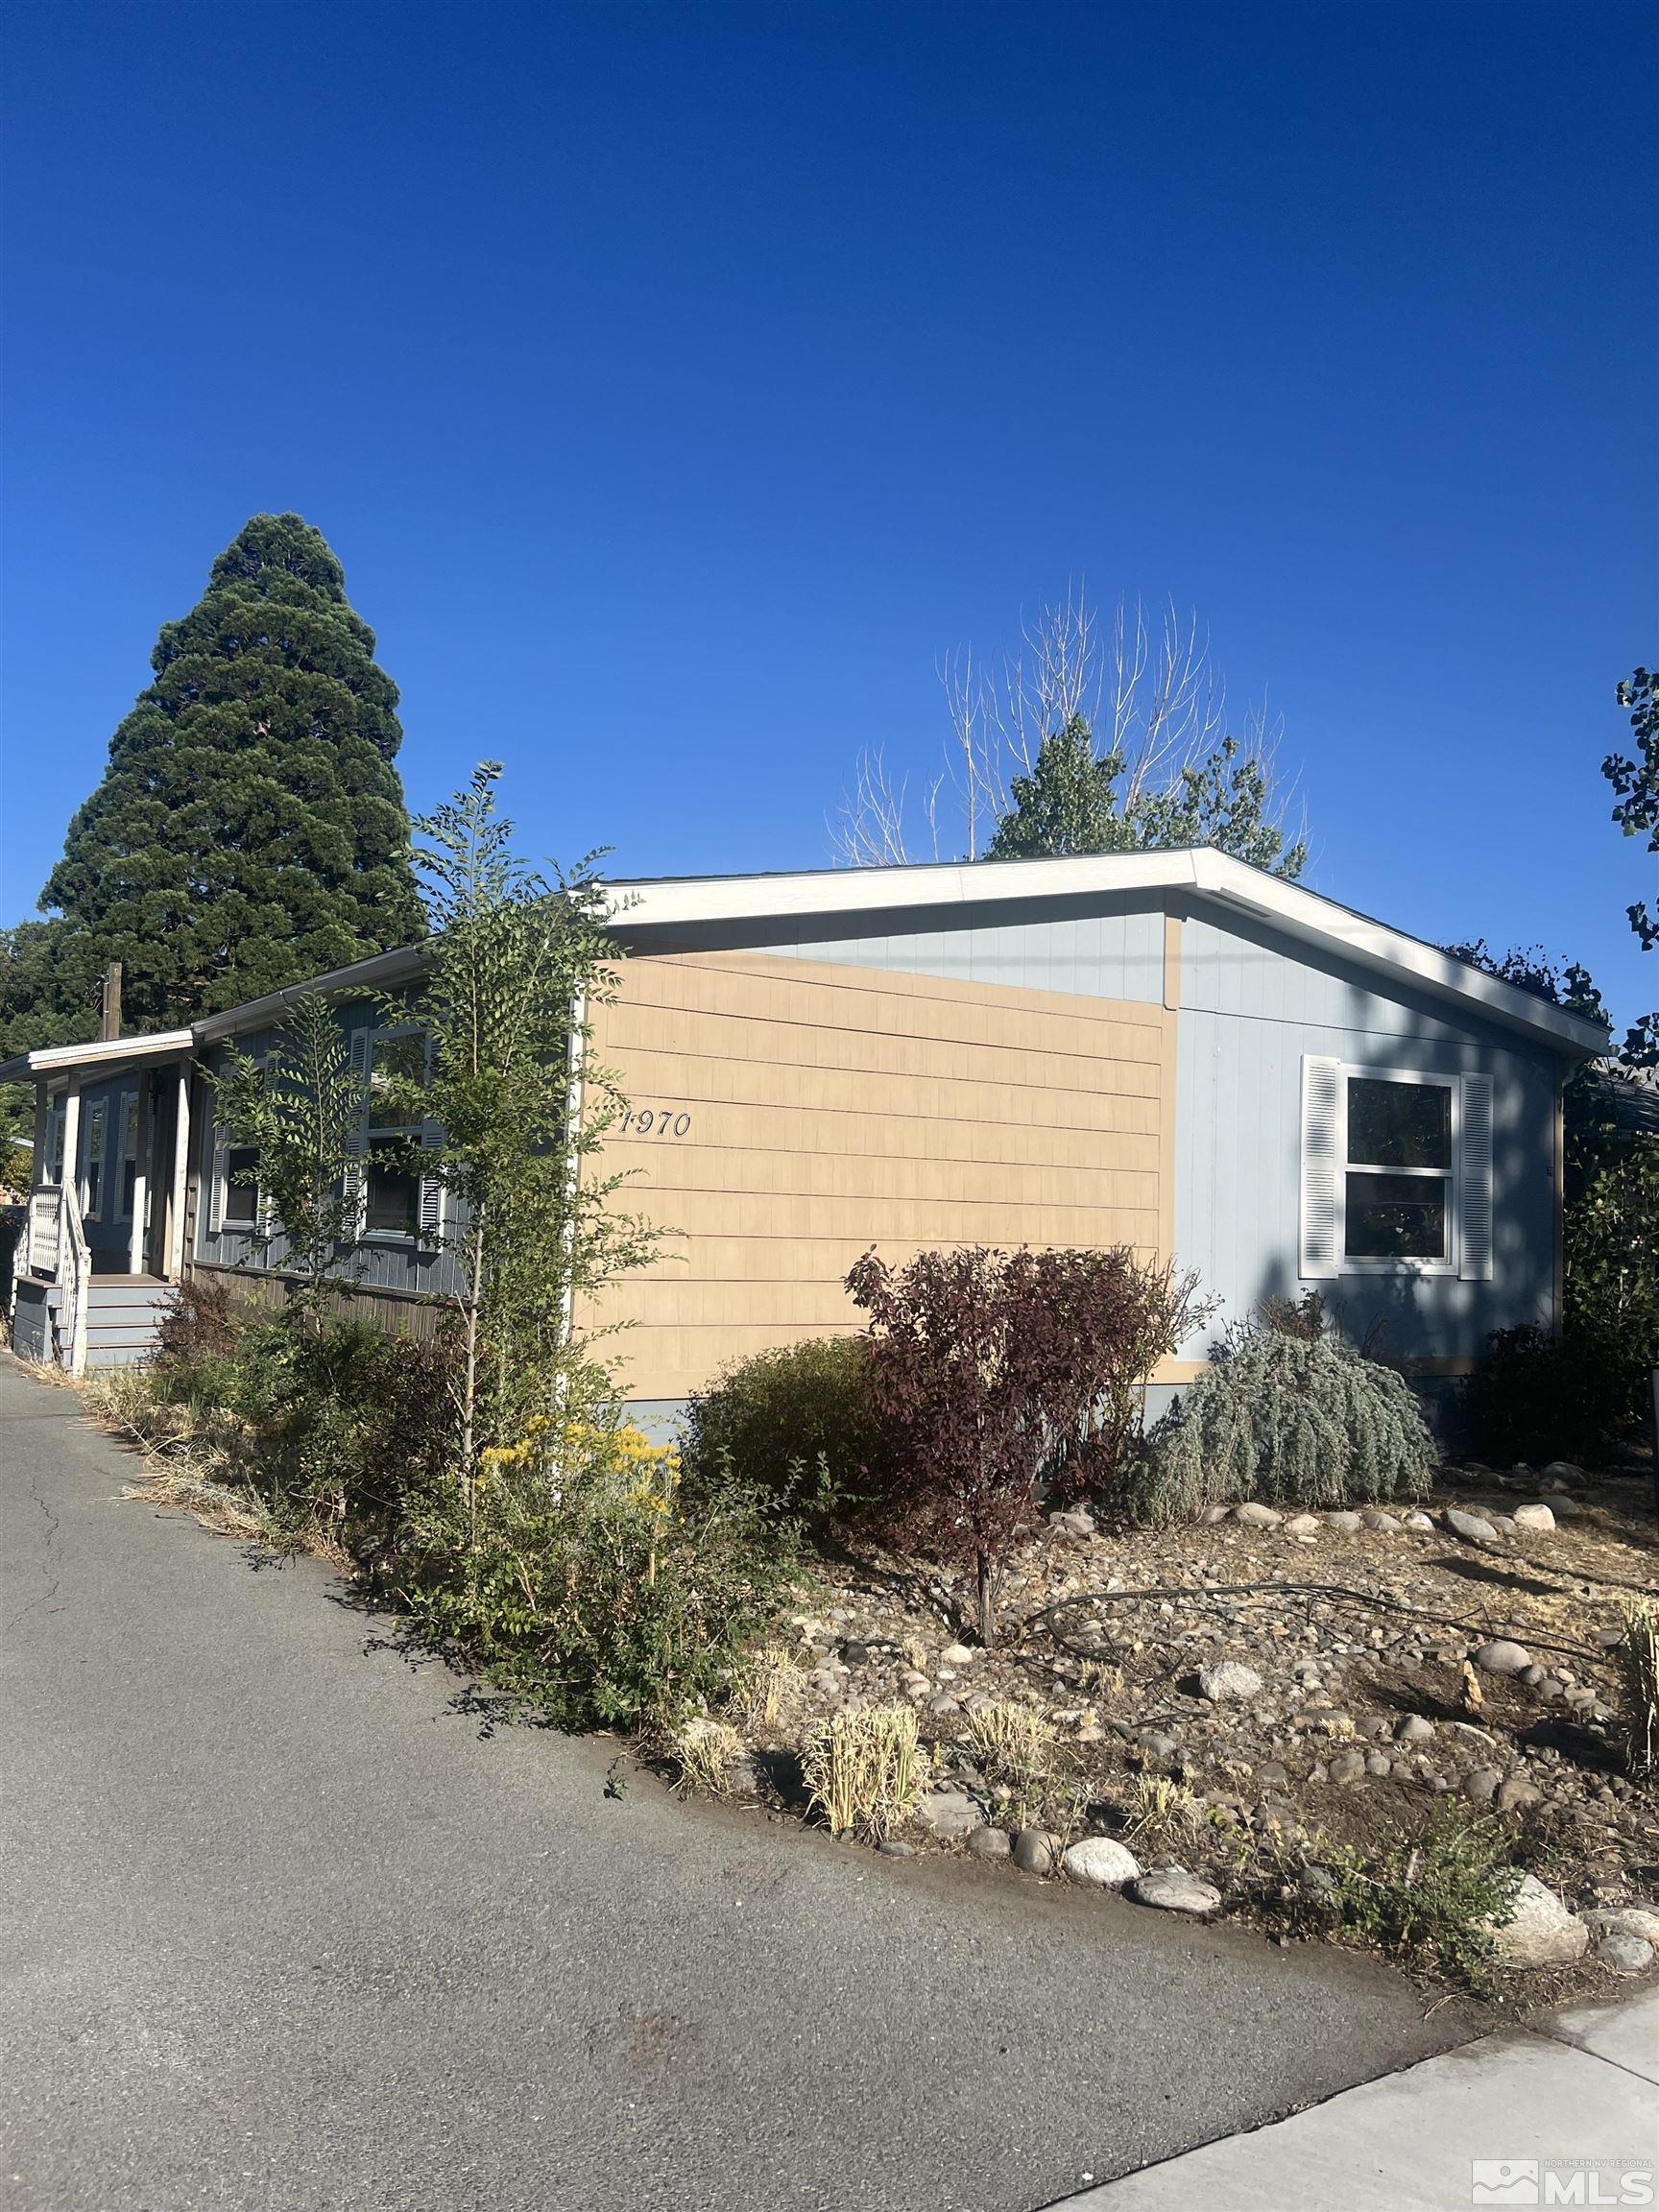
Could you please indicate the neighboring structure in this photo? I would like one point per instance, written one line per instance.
(1170, 1051)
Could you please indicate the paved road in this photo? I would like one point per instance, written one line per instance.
(286, 1930)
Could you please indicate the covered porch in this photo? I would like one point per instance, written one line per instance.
(104, 1236)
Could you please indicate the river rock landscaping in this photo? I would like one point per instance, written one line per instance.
(1212, 1712)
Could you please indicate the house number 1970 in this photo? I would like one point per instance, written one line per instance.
(655, 1122)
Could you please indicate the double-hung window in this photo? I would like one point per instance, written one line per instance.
(92, 1182)
(1396, 1171)
(395, 1199)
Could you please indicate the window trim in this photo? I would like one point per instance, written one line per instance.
(127, 1123)
(1452, 1176)
(96, 1148)
(412, 1238)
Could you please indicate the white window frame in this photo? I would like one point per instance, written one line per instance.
(97, 1147)
(1452, 1176)
(221, 1186)
(127, 1121)
(56, 1121)
(428, 1192)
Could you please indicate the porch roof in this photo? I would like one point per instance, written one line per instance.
(103, 1053)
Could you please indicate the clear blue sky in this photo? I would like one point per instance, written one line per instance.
(677, 383)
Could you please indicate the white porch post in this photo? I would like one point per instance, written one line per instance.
(136, 1253)
(70, 1176)
(180, 1162)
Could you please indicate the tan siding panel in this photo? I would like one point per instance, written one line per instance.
(832, 1110)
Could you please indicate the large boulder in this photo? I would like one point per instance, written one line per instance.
(1542, 1931)
(1470, 1526)
(949, 1815)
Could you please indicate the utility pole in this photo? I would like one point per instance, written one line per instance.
(112, 1023)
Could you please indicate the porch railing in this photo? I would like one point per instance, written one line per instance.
(44, 1214)
(56, 1247)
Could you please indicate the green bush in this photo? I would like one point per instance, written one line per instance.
(1535, 1397)
(793, 1425)
(1295, 1420)
(1426, 1897)
(596, 1603)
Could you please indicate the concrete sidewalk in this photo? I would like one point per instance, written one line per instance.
(1565, 2111)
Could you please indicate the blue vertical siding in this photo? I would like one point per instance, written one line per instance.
(1251, 1008)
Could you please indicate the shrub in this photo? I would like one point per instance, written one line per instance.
(795, 1424)
(1426, 1897)
(202, 1321)
(1298, 1420)
(1537, 1397)
(595, 1600)
(865, 1771)
(989, 1368)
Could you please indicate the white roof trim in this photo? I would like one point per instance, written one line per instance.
(109, 1052)
(686, 902)
(1202, 872)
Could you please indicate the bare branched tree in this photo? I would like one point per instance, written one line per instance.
(1148, 693)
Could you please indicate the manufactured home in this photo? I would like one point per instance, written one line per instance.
(1170, 1051)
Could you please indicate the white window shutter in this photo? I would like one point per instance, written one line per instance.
(431, 1185)
(353, 1185)
(1320, 1081)
(1475, 1181)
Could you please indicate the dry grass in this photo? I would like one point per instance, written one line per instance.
(774, 1687)
(865, 1771)
(706, 1752)
(1637, 1656)
(1160, 1806)
(1015, 1744)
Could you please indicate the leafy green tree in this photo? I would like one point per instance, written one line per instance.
(1069, 803)
(518, 962)
(249, 829)
(300, 1111)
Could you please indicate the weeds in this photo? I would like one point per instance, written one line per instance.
(1637, 1658)
(1427, 1898)
(865, 1771)
(773, 1684)
(706, 1752)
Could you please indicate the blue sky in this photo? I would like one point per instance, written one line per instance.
(677, 383)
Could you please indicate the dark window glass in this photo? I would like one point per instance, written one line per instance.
(241, 1196)
(1398, 1124)
(393, 1194)
(1396, 1217)
(399, 1062)
(128, 1184)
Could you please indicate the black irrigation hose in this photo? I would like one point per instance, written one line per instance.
(1282, 1590)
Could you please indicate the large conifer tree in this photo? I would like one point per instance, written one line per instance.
(250, 831)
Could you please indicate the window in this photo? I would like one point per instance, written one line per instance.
(92, 1184)
(392, 1128)
(239, 1197)
(52, 1170)
(1397, 1174)
(129, 1154)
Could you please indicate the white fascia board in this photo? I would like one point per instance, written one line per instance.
(109, 1051)
(871, 890)
(377, 973)
(1202, 872)
(1319, 921)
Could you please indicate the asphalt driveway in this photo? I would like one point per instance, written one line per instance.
(286, 1927)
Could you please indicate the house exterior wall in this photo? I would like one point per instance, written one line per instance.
(1251, 1007)
(816, 1107)
(399, 1266)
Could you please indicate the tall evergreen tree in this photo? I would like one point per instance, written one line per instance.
(250, 831)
